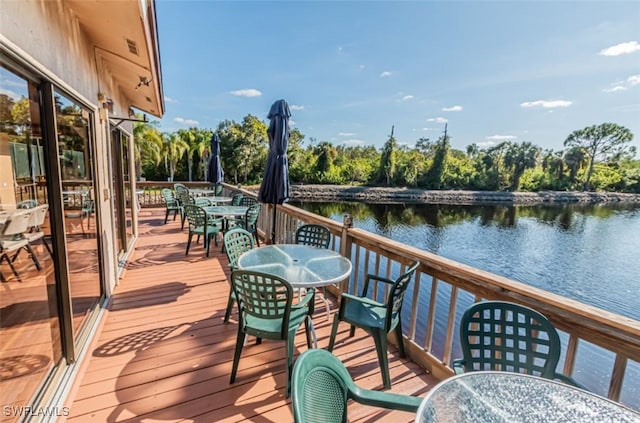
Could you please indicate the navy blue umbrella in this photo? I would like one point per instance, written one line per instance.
(215, 174)
(274, 188)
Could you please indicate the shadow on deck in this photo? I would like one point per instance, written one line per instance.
(164, 354)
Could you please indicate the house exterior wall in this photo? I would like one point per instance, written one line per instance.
(48, 37)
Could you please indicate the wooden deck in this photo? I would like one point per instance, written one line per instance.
(164, 354)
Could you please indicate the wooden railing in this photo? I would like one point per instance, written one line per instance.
(442, 289)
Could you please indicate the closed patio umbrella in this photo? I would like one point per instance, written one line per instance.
(274, 188)
(215, 174)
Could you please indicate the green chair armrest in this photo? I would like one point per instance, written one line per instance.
(370, 276)
(386, 399)
(308, 297)
(458, 366)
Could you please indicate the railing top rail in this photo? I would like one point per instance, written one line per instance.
(565, 312)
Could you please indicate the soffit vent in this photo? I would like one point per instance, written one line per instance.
(133, 47)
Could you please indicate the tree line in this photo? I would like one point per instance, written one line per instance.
(598, 157)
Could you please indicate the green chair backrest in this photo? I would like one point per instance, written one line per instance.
(320, 388)
(236, 242)
(203, 202)
(499, 335)
(313, 235)
(196, 216)
(236, 199)
(263, 296)
(396, 294)
(251, 217)
(169, 197)
(248, 201)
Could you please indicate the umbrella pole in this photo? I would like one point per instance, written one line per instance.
(273, 225)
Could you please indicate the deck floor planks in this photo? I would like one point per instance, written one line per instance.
(164, 353)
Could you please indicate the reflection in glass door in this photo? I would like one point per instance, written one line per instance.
(75, 155)
(30, 336)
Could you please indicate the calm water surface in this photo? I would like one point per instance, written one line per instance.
(588, 253)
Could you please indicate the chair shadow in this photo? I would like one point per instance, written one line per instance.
(206, 365)
(22, 365)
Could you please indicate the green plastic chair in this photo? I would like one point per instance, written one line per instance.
(201, 225)
(314, 235)
(236, 199)
(236, 242)
(171, 204)
(216, 188)
(266, 311)
(248, 222)
(321, 387)
(376, 318)
(183, 197)
(504, 336)
(248, 201)
(203, 202)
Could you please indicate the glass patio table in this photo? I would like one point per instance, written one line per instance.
(302, 266)
(511, 397)
(226, 211)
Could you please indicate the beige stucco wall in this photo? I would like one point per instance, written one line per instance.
(47, 37)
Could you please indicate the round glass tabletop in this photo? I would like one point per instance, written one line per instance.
(300, 265)
(512, 397)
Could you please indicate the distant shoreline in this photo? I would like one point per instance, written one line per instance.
(383, 194)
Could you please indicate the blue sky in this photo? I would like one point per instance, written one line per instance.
(494, 71)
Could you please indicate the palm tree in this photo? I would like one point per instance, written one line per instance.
(518, 158)
(575, 159)
(173, 149)
(147, 145)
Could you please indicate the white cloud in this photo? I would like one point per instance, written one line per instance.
(614, 89)
(292, 122)
(170, 100)
(452, 109)
(624, 85)
(622, 48)
(429, 129)
(362, 67)
(346, 134)
(188, 122)
(547, 104)
(385, 74)
(486, 144)
(438, 120)
(247, 92)
(634, 80)
(407, 97)
(501, 137)
(296, 107)
(353, 142)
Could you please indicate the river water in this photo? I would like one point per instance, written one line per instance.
(590, 253)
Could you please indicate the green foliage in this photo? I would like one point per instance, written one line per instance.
(601, 143)
(387, 169)
(184, 155)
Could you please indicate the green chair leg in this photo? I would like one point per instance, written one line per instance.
(290, 342)
(230, 303)
(400, 341)
(380, 339)
(236, 355)
(334, 331)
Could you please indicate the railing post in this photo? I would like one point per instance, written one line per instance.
(345, 238)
